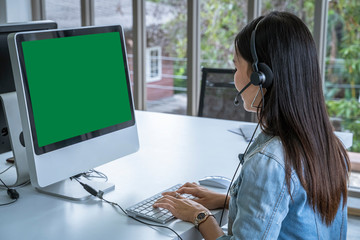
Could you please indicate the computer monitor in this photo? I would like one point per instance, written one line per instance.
(6, 74)
(75, 100)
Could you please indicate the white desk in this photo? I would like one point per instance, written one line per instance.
(173, 149)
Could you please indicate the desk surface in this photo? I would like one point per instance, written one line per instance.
(173, 149)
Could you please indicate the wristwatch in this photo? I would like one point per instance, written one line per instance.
(201, 217)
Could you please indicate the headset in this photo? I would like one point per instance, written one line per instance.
(262, 74)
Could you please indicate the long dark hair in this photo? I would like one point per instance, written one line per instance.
(295, 111)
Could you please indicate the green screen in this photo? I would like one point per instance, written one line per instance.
(77, 85)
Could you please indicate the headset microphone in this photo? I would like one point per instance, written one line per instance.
(236, 101)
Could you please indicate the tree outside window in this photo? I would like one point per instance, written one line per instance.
(342, 77)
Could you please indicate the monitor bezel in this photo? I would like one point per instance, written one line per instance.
(7, 84)
(63, 33)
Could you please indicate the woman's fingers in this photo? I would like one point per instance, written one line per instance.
(188, 190)
(183, 209)
(188, 184)
(166, 202)
(173, 194)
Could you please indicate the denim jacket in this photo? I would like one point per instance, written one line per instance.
(261, 206)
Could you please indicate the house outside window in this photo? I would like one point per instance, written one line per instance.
(153, 64)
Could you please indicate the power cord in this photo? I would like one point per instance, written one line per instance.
(92, 174)
(13, 194)
(99, 194)
(6, 169)
(8, 203)
(18, 186)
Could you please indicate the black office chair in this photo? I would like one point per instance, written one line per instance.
(217, 96)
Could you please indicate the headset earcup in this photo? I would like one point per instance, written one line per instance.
(265, 69)
(255, 78)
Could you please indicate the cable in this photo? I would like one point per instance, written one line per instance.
(242, 156)
(13, 194)
(4, 204)
(92, 173)
(237, 168)
(18, 186)
(4, 183)
(99, 194)
(140, 221)
(262, 97)
(6, 169)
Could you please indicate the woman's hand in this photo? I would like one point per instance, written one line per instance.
(204, 196)
(180, 207)
(187, 210)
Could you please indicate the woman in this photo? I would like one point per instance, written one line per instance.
(293, 182)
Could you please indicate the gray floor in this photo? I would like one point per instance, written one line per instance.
(175, 104)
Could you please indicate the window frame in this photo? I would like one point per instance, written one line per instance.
(149, 64)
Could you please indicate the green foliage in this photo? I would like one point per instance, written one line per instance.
(343, 65)
(176, 35)
(344, 43)
(220, 23)
(349, 113)
(221, 20)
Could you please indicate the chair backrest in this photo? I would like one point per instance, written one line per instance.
(217, 96)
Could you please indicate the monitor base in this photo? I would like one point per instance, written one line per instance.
(72, 190)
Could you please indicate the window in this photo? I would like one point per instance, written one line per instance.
(342, 71)
(342, 78)
(304, 9)
(220, 22)
(166, 89)
(66, 13)
(112, 12)
(153, 64)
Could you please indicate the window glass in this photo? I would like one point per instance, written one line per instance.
(66, 13)
(342, 71)
(221, 20)
(153, 64)
(166, 31)
(304, 9)
(113, 12)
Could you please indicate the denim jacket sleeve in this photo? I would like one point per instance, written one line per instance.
(260, 198)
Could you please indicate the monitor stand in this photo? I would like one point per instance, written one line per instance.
(9, 103)
(72, 190)
(67, 189)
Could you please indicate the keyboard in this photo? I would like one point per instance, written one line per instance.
(144, 209)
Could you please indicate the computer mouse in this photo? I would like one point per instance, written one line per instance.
(215, 181)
